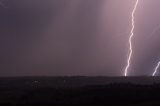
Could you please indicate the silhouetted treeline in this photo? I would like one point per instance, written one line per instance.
(113, 94)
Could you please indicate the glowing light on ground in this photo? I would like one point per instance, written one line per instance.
(130, 39)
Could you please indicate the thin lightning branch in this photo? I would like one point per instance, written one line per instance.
(130, 39)
(154, 31)
(158, 64)
(155, 70)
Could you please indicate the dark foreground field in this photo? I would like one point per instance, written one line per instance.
(80, 91)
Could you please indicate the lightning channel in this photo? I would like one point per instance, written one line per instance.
(156, 69)
(130, 39)
(158, 64)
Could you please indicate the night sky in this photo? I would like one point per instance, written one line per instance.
(77, 37)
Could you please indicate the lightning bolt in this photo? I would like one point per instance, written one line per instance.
(130, 39)
(158, 64)
(156, 68)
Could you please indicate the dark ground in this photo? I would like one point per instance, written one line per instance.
(80, 91)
